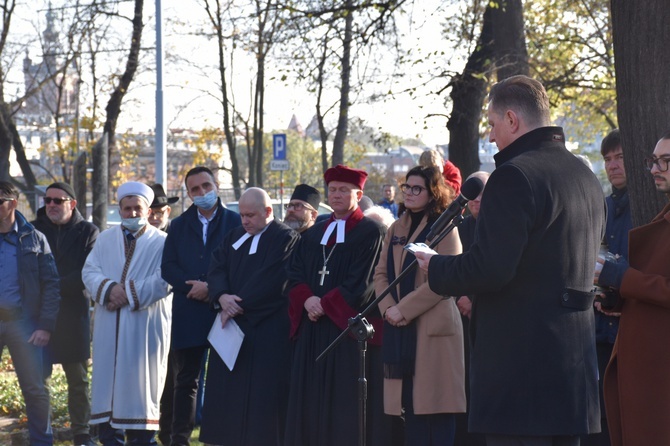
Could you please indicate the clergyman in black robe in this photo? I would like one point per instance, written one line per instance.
(247, 406)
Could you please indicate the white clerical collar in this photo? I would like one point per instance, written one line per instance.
(339, 224)
(254, 242)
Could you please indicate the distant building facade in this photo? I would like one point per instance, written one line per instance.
(55, 89)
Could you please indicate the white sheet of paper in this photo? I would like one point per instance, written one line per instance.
(227, 341)
(419, 247)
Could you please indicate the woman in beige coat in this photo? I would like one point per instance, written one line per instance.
(423, 334)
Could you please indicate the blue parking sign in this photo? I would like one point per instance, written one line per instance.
(279, 146)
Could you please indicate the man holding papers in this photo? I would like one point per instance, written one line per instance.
(246, 280)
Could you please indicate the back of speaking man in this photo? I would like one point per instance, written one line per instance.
(534, 377)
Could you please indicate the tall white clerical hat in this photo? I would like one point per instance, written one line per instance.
(137, 189)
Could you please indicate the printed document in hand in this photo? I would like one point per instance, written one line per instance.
(419, 247)
(227, 340)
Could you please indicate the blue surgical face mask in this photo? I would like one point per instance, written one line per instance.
(134, 224)
(207, 201)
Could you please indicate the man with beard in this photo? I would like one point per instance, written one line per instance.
(301, 210)
(636, 383)
(160, 208)
(131, 330)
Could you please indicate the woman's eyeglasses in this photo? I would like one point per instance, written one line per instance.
(414, 190)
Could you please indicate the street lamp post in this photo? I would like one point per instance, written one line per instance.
(161, 151)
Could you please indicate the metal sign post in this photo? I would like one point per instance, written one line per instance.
(280, 163)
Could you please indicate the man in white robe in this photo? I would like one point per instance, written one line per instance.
(131, 323)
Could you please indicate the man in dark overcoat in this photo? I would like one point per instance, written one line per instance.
(193, 236)
(534, 377)
(71, 239)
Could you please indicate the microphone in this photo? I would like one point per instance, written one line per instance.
(469, 191)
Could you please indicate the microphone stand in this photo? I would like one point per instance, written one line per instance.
(362, 330)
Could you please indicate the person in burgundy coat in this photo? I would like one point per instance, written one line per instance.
(637, 379)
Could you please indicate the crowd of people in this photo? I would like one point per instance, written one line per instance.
(498, 337)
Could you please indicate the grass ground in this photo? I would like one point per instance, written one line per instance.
(13, 410)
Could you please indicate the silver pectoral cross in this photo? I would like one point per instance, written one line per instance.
(323, 274)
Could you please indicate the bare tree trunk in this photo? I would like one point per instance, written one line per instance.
(228, 127)
(100, 182)
(79, 181)
(323, 134)
(5, 144)
(467, 95)
(9, 137)
(114, 105)
(642, 58)
(345, 87)
(20, 152)
(269, 25)
(258, 121)
(510, 41)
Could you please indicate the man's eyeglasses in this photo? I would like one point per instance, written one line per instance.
(5, 200)
(157, 214)
(414, 190)
(298, 207)
(662, 163)
(58, 201)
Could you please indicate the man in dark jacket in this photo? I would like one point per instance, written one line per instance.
(160, 219)
(533, 371)
(28, 307)
(188, 249)
(71, 239)
(619, 223)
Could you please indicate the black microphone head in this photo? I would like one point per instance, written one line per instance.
(472, 188)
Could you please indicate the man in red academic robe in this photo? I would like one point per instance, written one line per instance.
(330, 280)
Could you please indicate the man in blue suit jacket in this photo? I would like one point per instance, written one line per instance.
(188, 249)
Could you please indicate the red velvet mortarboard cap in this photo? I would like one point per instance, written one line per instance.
(346, 174)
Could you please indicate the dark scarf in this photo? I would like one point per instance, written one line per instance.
(399, 346)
